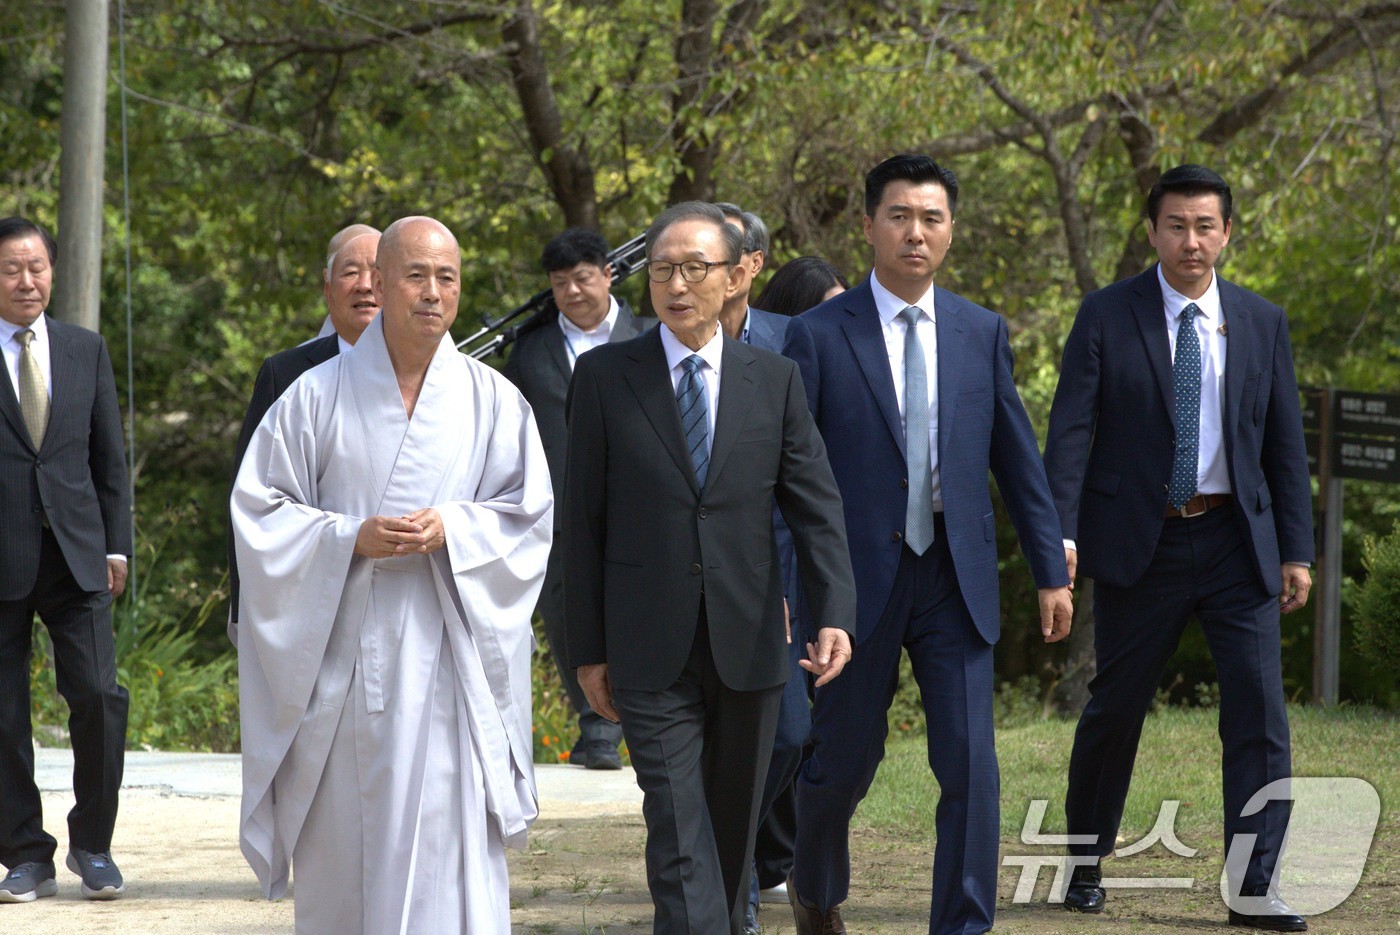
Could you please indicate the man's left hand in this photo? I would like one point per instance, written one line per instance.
(116, 577)
(434, 536)
(829, 656)
(1056, 613)
(1297, 582)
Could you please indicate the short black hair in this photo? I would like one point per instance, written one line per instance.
(908, 167)
(755, 231)
(732, 239)
(1189, 179)
(17, 228)
(798, 285)
(574, 246)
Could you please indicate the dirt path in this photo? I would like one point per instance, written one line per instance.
(583, 874)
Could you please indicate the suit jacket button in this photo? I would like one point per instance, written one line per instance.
(897, 537)
(695, 569)
(704, 512)
(904, 483)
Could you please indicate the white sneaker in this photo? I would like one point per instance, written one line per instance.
(774, 894)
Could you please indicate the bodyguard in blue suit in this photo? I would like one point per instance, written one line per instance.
(1176, 457)
(913, 481)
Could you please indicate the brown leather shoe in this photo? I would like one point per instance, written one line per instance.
(810, 920)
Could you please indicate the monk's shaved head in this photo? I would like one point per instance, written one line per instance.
(417, 282)
(410, 230)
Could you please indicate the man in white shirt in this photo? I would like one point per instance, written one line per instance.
(67, 515)
(541, 365)
(1176, 457)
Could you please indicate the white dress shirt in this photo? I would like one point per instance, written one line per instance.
(889, 305)
(711, 353)
(11, 348)
(1212, 473)
(576, 340)
(9, 344)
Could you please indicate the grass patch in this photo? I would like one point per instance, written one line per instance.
(1179, 758)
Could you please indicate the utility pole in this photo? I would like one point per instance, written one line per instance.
(83, 138)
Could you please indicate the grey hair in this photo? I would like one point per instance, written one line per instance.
(732, 239)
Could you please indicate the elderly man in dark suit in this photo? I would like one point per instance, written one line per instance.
(679, 441)
(541, 365)
(350, 307)
(1176, 456)
(63, 494)
(912, 389)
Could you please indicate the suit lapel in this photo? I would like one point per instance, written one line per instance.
(63, 372)
(736, 396)
(1237, 353)
(1147, 309)
(867, 341)
(950, 326)
(558, 353)
(650, 382)
(9, 405)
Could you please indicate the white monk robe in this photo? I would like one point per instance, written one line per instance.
(386, 702)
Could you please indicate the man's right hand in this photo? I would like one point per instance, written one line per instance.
(1072, 563)
(381, 536)
(597, 688)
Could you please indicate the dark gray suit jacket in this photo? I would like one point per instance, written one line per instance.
(643, 545)
(539, 368)
(77, 478)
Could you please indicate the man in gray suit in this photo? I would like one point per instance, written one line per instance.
(63, 496)
(541, 366)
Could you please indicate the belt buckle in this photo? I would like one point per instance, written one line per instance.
(1205, 507)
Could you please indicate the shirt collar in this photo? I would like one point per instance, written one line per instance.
(40, 327)
(677, 352)
(1209, 303)
(602, 329)
(889, 305)
(748, 321)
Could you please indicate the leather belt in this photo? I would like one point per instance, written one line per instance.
(1199, 505)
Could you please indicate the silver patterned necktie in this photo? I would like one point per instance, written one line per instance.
(1186, 386)
(33, 394)
(695, 415)
(918, 516)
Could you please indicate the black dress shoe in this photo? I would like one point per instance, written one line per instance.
(811, 920)
(1085, 893)
(1274, 916)
(602, 754)
(751, 920)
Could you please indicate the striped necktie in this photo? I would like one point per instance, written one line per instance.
(695, 415)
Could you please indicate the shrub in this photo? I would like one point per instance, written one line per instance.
(1377, 622)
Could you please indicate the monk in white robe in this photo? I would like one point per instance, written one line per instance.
(384, 645)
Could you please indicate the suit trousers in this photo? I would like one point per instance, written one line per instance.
(80, 627)
(1203, 567)
(592, 726)
(700, 750)
(927, 616)
(777, 822)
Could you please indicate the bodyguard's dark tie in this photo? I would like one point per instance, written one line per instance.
(695, 415)
(1186, 383)
(918, 516)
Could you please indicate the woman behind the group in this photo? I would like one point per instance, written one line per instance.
(799, 285)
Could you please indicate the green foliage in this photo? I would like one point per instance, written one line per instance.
(1377, 605)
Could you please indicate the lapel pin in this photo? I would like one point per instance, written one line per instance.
(1224, 328)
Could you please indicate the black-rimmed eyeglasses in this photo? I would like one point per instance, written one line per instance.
(691, 270)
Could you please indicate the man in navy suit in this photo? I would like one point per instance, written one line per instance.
(1176, 457)
(912, 429)
(67, 525)
(350, 307)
